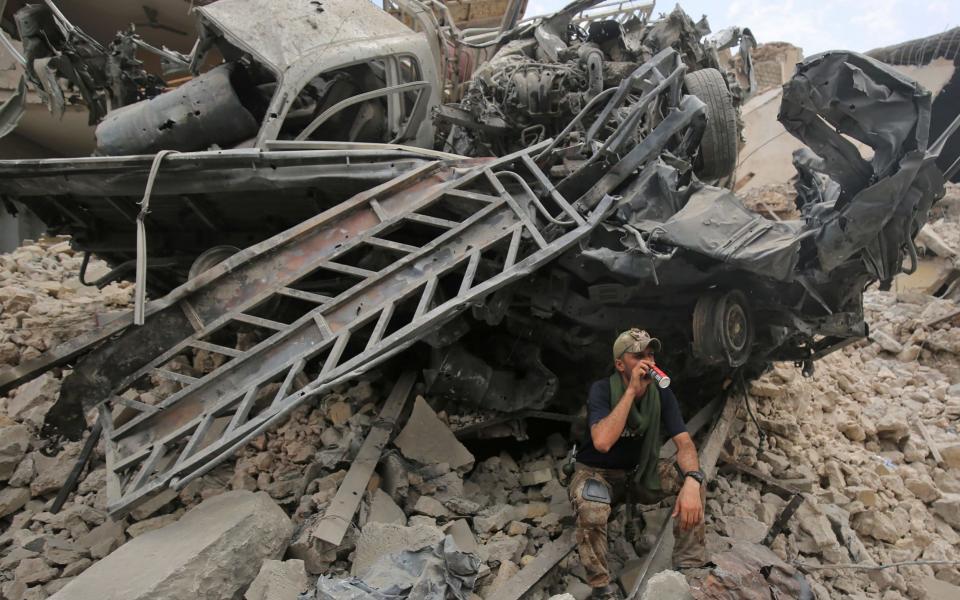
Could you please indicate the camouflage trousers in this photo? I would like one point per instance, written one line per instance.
(689, 548)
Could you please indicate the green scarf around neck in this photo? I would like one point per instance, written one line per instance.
(644, 421)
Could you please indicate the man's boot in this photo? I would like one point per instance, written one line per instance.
(608, 592)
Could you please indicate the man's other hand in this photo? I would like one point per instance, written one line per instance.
(689, 508)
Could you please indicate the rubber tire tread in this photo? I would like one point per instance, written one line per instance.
(718, 149)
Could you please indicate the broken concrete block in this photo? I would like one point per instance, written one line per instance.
(316, 554)
(34, 570)
(12, 499)
(104, 539)
(503, 548)
(538, 477)
(886, 341)
(339, 413)
(877, 525)
(746, 528)
(384, 510)
(922, 488)
(396, 480)
(34, 399)
(517, 528)
(153, 504)
(52, 471)
(506, 571)
(667, 585)
(278, 580)
(74, 569)
(426, 439)
(141, 527)
(14, 442)
(60, 552)
(864, 494)
(778, 462)
(431, 507)
(948, 508)
(462, 506)
(462, 536)
(494, 518)
(950, 454)
(13, 557)
(212, 552)
(937, 589)
(381, 539)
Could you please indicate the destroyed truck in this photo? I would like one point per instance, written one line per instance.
(502, 278)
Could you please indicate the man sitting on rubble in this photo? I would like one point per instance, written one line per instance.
(620, 457)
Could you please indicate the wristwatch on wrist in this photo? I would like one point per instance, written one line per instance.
(697, 475)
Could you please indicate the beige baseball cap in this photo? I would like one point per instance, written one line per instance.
(634, 340)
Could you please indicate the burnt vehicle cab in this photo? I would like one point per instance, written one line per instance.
(340, 71)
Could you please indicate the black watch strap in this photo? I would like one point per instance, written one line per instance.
(699, 476)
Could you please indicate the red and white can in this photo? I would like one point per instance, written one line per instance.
(657, 374)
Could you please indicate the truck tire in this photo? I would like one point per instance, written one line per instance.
(718, 149)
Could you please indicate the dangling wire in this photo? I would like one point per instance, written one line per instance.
(140, 290)
(761, 434)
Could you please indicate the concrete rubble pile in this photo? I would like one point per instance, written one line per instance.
(850, 439)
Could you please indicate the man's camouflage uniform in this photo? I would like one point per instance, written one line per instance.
(689, 548)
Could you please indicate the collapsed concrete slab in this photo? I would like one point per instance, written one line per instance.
(381, 539)
(212, 553)
(278, 580)
(426, 439)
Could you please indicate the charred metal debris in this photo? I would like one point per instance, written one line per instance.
(335, 238)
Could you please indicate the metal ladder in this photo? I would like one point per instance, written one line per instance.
(480, 224)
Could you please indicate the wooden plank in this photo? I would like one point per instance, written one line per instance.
(925, 433)
(699, 420)
(950, 315)
(78, 466)
(782, 519)
(338, 516)
(783, 489)
(549, 555)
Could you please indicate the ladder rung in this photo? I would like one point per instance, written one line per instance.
(284, 390)
(259, 321)
(302, 295)
(243, 409)
(472, 196)
(178, 377)
(382, 243)
(426, 297)
(347, 269)
(427, 220)
(471, 272)
(201, 345)
(378, 330)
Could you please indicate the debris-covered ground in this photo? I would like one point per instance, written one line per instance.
(851, 439)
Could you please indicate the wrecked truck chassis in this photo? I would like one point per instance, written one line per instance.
(341, 337)
(239, 196)
(145, 454)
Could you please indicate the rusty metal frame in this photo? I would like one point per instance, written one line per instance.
(168, 444)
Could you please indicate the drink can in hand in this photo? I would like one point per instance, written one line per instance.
(657, 374)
